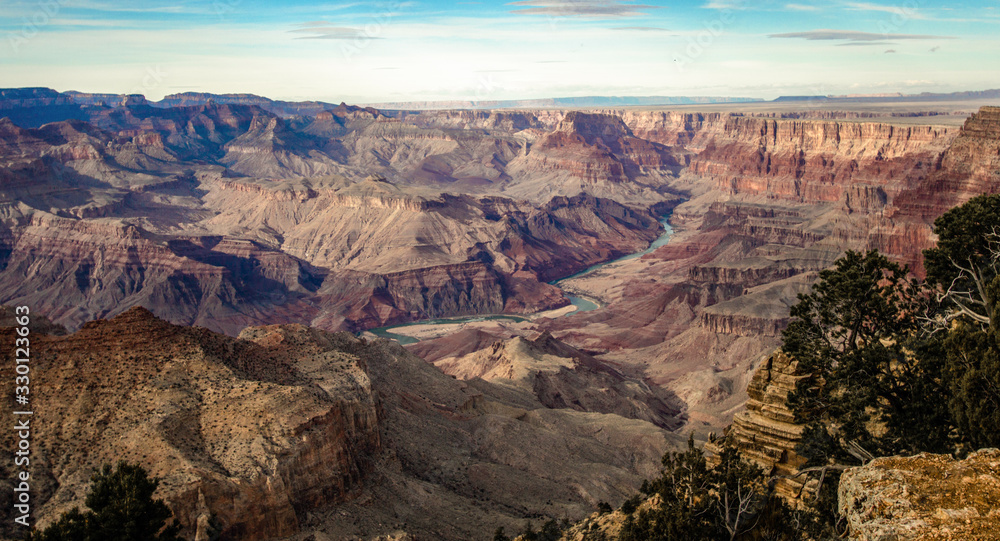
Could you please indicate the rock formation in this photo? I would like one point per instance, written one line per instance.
(83, 236)
(771, 203)
(765, 432)
(241, 434)
(925, 497)
(292, 430)
(563, 377)
(236, 212)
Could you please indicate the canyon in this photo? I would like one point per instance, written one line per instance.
(276, 228)
(289, 430)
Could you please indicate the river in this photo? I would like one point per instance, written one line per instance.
(581, 304)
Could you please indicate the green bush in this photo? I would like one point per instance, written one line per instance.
(122, 508)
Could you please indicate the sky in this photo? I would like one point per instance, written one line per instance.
(428, 50)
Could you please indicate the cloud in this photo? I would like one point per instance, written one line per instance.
(801, 7)
(580, 8)
(852, 36)
(323, 30)
(109, 7)
(865, 43)
(642, 28)
(725, 4)
(906, 12)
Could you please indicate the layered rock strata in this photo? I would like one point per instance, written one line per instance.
(766, 432)
(82, 237)
(293, 431)
(274, 219)
(245, 440)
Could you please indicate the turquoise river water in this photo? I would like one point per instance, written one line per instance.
(582, 305)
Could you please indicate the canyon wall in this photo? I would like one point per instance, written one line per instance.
(771, 203)
(83, 237)
(289, 430)
(227, 215)
(244, 443)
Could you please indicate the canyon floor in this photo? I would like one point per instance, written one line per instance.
(240, 254)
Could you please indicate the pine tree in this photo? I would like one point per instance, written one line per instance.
(122, 508)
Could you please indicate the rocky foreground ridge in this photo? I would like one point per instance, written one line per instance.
(293, 431)
(925, 497)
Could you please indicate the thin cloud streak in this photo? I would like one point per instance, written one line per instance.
(642, 28)
(909, 13)
(331, 32)
(851, 35)
(580, 8)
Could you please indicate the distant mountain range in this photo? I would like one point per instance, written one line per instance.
(896, 97)
(561, 103)
(36, 106)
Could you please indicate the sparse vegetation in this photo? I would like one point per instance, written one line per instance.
(690, 500)
(121, 508)
(897, 366)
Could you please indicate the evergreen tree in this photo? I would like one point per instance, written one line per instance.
(122, 508)
(855, 335)
(728, 501)
(965, 269)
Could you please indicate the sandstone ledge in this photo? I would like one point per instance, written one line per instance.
(925, 497)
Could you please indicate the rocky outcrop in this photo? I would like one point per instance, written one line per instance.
(722, 321)
(766, 432)
(971, 166)
(288, 430)
(925, 497)
(243, 434)
(561, 376)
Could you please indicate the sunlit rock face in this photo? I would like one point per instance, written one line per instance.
(924, 497)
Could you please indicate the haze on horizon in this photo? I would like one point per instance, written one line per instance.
(369, 52)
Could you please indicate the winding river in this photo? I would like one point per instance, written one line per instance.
(581, 304)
